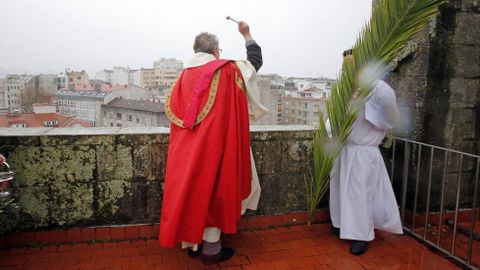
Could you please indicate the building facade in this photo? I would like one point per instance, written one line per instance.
(134, 113)
(3, 97)
(304, 108)
(87, 104)
(165, 77)
(147, 78)
(104, 75)
(119, 75)
(271, 98)
(166, 72)
(40, 89)
(16, 85)
(61, 81)
(77, 78)
(168, 63)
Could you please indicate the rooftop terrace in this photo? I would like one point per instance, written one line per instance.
(294, 247)
(91, 200)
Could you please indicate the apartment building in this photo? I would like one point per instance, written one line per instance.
(134, 113)
(303, 108)
(86, 104)
(16, 85)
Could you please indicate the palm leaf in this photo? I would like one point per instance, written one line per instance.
(392, 25)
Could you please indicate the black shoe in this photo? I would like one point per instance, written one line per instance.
(336, 231)
(223, 255)
(193, 254)
(358, 247)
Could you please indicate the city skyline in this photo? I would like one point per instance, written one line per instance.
(300, 38)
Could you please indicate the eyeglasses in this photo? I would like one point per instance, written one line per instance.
(219, 50)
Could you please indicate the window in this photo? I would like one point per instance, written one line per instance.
(19, 125)
(79, 78)
(119, 125)
(111, 124)
(119, 116)
(130, 117)
(138, 120)
(300, 113)
(50, 123)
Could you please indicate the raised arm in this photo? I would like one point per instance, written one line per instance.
(254, 52)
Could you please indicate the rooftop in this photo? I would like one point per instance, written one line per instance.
(101, 209)
(106, 87)
(141, 105)
(38, 120)
(295, 247)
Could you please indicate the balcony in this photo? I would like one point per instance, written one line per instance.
(91, 199)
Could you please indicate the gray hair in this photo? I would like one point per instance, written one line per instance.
(205, 42)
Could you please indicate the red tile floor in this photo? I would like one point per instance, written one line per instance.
(295, 247)
(461, 240)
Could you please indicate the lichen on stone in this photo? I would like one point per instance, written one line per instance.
(114, 163)
(110, 193)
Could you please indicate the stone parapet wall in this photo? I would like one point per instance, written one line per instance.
(91, 177)
(439, 86)
(439, 83)
(462, 129)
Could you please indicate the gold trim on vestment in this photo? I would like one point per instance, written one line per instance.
(205, 110)
(240, 83)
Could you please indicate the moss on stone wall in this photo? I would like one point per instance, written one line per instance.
(80, 180)
(114, 162)
(57, 181)
(109, 195)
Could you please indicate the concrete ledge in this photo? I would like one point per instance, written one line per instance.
(25, 132)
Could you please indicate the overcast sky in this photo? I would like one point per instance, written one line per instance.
(298, 37)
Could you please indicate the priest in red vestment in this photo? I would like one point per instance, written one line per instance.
(210, 176)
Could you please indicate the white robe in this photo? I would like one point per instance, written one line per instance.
(361, 195)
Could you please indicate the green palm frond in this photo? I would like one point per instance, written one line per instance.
(392, 25)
